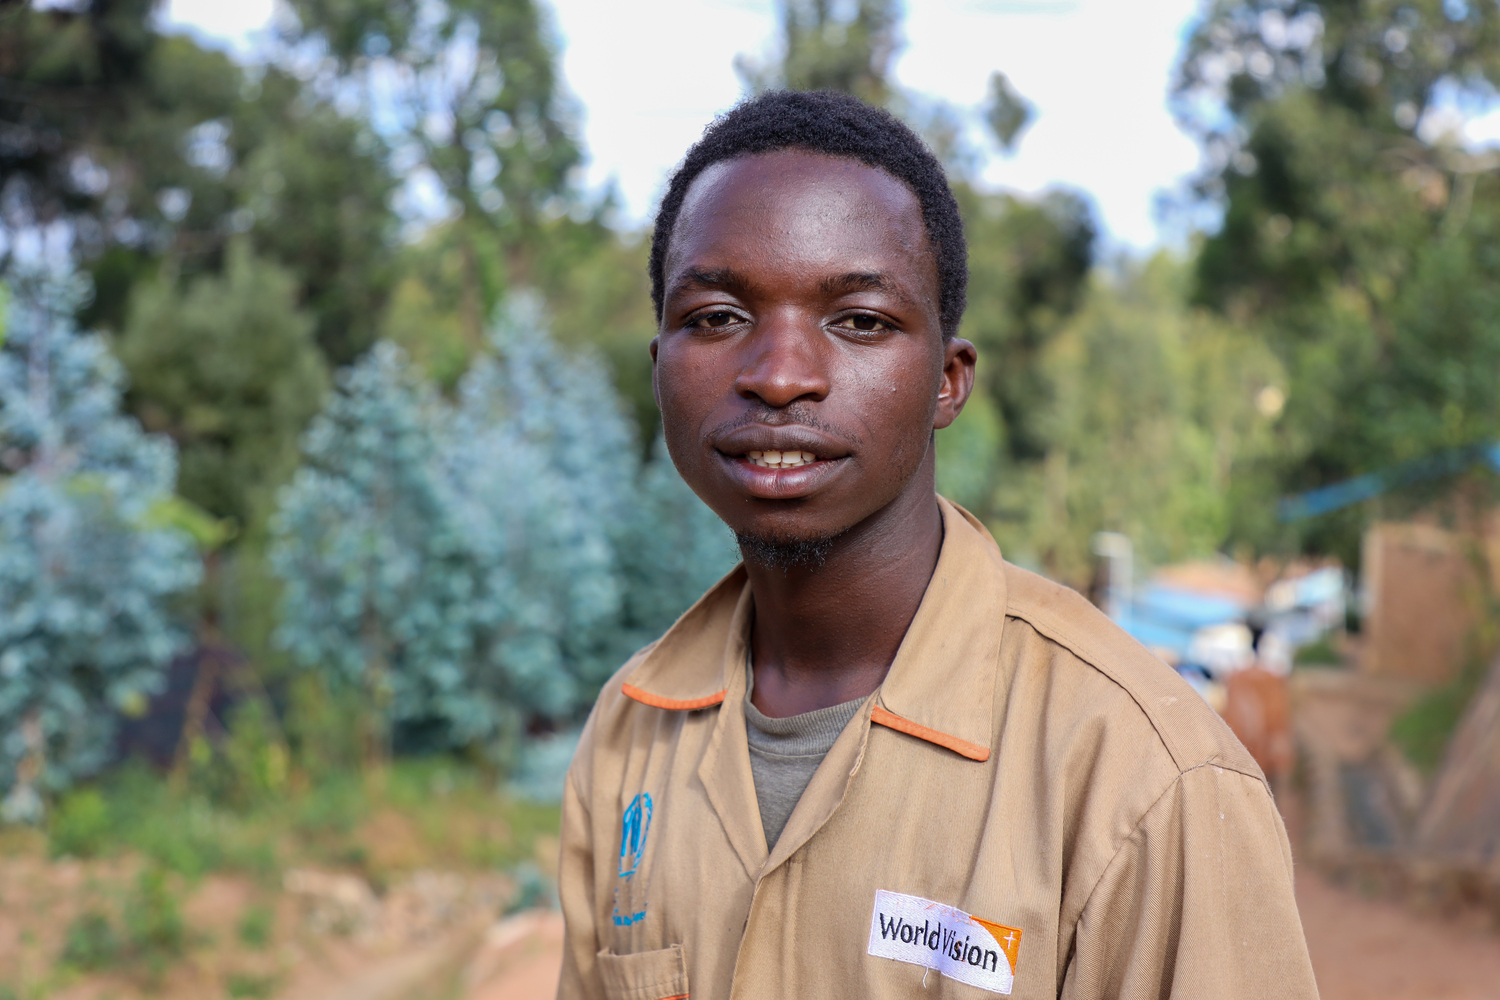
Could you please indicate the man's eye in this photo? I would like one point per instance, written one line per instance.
(863, 323)
(715, 320)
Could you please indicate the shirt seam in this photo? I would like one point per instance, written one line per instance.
(1062, 636)
(1136, 829)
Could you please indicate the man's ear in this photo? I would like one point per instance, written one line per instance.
(959, 357)
(655, 391)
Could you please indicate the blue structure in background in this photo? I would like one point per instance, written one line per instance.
(1351, 491)
(1166, 618)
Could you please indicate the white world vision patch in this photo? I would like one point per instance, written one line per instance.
(945, 939)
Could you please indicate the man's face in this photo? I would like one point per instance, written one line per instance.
(800, 322)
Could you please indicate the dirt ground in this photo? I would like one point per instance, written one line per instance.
(1363, 948)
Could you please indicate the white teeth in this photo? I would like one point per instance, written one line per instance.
(781, 459)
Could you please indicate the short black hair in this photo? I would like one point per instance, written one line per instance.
(833, 124)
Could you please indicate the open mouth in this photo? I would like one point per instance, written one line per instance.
(781, 459)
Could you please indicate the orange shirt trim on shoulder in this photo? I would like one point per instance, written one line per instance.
(891, 720)
(657, 701)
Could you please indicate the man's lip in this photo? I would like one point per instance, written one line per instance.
(779, 484)
(793, 437)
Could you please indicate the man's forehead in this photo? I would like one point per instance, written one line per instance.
(802, 193)
(798, 174)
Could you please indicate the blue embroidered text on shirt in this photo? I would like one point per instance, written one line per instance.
(635, 825)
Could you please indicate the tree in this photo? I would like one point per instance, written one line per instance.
(466, 95)
(1356, 233)
(143, 147)
(478, 566)
(544, 465)
(1028, 266)
(228, 367)
(93, 555)
(371, 558)
(828, 46)
(1156, 407)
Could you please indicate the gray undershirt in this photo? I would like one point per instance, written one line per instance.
(784, 753)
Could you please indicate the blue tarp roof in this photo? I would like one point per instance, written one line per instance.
(1166, 617)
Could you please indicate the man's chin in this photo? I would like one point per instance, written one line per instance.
(786, 554)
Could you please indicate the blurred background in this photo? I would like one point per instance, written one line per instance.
(331, 487)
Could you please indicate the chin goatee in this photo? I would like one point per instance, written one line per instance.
(779, 553)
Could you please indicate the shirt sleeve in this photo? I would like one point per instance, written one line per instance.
(575, 888)
(1198, 902)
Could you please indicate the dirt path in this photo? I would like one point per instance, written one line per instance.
(1362, 949)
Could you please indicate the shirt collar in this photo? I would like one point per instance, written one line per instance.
(941, 686)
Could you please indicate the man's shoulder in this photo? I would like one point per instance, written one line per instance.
(1104, 670)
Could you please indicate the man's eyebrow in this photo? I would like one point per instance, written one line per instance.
(861, 281)
(710, 279)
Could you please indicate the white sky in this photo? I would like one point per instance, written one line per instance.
(650, 75)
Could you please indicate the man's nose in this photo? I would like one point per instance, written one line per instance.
(785, 361)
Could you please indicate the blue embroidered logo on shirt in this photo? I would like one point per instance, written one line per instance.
(635, 824)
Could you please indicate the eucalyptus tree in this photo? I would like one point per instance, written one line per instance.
(476, 566)
(95, 560)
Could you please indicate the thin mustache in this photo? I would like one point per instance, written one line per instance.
(795, 415)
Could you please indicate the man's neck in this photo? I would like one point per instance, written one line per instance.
(825, 635)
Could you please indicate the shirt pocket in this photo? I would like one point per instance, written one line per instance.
(645, 975)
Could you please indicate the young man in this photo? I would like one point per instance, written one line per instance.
(876, 760)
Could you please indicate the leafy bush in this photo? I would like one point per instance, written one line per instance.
(1322, 653)
(136, 809)
(80, 826)
(151, 931)
(244, 984)
(91, 942)
(468, 567)
(1423, 730)
(154, 931)
(93, 552)
(256, 924)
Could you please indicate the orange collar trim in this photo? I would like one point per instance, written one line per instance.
(891, 720)
(674, 704)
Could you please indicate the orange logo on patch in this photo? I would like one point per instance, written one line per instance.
(1009, 939)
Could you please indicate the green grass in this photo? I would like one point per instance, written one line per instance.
(243, 984)
(256, 925)
(1318, 654)
(1424, 730)
(449, 814)
(92, 942)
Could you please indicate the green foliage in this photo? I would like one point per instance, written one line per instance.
(1028, 265)
(80, 826)
(474, 565)
(152, 919)
(968, 455)
(256, 925)
(1007, 112)
(829, 46)
(91, 942)
(150, 932)
(228, 367)
(1321, 653)
(1357, 241)
(464, 88)
(1423, 731)
(135, 810)
(245, 984)
(1154, 405)
(154, 149)
(89, 583)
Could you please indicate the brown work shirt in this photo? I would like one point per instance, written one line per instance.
(1030, 803)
